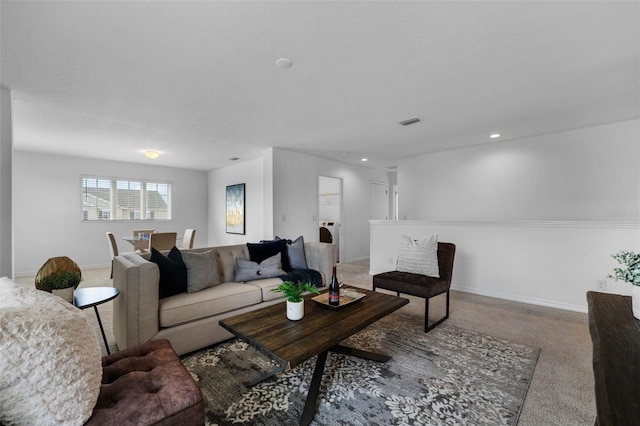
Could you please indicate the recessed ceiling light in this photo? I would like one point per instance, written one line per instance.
(364, 160)
(152, 154)
(234, 158)
(495, 135)
(409, 121)
(284, 63)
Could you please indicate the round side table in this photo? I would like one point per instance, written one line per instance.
(87, 297)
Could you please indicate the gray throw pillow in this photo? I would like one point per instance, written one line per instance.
(202, 270)
(296, 254)
(247, 270)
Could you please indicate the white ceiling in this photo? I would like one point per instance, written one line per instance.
(198, 81)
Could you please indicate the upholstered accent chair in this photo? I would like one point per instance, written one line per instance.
(422, 285)
(147, 385)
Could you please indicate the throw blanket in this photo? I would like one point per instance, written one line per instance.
(303, 275)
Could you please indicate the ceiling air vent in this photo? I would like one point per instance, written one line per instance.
(409, 121)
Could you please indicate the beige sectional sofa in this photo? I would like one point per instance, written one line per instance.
(190, 320)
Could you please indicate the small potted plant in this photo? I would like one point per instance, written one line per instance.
(631, 274)
(61, 283)
(293, 293)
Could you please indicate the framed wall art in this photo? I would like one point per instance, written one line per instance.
(235, 209)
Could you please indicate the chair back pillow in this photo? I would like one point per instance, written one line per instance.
(419, 257)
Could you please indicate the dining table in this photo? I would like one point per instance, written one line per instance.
(141, 242)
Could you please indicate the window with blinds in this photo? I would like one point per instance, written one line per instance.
(124, 199)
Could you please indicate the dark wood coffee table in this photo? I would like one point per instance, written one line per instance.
(290, 343)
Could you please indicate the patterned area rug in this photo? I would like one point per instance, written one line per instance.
(447, 376)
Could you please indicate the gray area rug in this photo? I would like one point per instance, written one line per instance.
(447, 376)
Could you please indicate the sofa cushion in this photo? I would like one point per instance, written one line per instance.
(173, 272)
(202, 270)
(266, 286)
(247, 270)
(50, 359)
(261, 251)
(186, 307)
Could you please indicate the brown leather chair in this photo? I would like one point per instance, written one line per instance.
(422, 285)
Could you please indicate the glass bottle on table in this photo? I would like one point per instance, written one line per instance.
(334, 289)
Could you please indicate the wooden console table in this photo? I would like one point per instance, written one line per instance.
(616, 358)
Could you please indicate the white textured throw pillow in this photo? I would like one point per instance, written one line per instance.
(50, 359)
(419, 257)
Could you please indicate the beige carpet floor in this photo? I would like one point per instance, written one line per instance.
(561, 392)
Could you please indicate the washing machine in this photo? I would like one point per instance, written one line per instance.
(330, 233)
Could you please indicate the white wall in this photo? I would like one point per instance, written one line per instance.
(46, 202)
(295, 199)
(544, 263)
(534, 220)
(251, 173)
(282, 199)
(6, 148)
(585, 174)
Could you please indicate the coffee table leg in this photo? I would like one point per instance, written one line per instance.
(279, 368)
(95, 307)
(314, 389)
(373, 356)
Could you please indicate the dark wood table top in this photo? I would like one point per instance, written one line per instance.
(616, 358)
(293, 342)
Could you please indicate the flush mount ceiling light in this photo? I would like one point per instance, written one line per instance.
(152, 155)
(284, 63)
(364, 160)
(495, 135)
(409, 121)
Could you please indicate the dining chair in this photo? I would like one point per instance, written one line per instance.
(189, 237)
(162, 240)
(114, 249)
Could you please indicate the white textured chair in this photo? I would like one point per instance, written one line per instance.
(189, 237)
(162, 240)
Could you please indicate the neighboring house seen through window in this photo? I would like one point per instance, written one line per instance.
(123, 199)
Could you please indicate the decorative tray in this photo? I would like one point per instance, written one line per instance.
(347, 297)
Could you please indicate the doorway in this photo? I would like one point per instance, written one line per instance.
(330, 213)
(379, 201)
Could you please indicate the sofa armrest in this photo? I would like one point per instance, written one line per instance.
(321, 258)
(135, 310)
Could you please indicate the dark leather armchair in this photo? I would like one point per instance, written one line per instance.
(422, 285)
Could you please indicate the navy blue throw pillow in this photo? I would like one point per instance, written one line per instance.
(261, 251)
(173, 272)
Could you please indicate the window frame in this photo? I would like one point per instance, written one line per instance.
(141, 209)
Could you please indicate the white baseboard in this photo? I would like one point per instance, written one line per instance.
(82, 268)
(512, 297)
(523, 299)
(357, 259)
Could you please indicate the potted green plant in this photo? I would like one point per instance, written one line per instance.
(61, 283)
(629, 273)
(293, 293)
